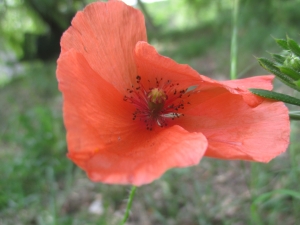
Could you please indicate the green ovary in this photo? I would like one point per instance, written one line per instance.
(156, 102)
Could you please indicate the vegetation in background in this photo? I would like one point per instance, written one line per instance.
(40, 186)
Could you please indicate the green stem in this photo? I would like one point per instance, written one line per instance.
(233, 49)
(129, 203)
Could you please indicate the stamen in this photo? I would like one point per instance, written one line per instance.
(158, 104)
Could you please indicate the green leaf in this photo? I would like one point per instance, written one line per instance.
(276, 96)
(270, 66)
(282, 43)
(290, 72)
(294, 86)
(293, 46)
(278, 58)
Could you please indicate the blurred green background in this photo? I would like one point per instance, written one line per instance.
(40, 186)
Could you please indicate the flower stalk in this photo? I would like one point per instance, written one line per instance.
(129, 203)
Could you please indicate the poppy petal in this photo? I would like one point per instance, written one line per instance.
(151, 65)
(94, 111)
(148, 158)
(235, 130)
(241, 87)
(262, 82)
(106, 33)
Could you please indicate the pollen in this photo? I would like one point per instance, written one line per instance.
(158, 104)
(157, 96)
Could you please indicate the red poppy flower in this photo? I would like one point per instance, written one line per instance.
(131, 114)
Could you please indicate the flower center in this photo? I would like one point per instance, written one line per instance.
(159, 104)
(156, 101)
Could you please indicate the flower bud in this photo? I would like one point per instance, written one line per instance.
(293, 62)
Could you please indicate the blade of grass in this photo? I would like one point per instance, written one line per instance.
(233, 49)
(263, 198)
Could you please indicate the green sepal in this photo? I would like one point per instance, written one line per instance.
(282, 43)
(293, 46)
(290, 72)
(278, 58)
(276, 96)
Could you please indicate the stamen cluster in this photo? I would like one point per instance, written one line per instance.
(161, 102)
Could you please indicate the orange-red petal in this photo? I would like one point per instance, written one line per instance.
(262, 82)
(105, 34)
(237, 131)
(151, 65)
(94, 111)
(144, 157)
(241, 86)
(105, 141)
